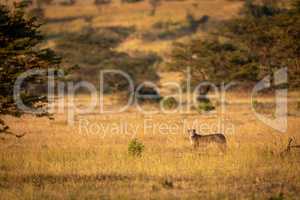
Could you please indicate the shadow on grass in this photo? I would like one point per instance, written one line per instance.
(39, 180)
(173, 30)
(42, 179)
(67, 19)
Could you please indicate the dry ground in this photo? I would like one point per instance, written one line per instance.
(90, 161)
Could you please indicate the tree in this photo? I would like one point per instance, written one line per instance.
(272, 34)
(265, 38)
(19, 52)
(214, 60)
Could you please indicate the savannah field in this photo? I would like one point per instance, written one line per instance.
(89, 159)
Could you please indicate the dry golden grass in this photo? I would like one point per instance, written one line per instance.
(137, 15)
(57, 161)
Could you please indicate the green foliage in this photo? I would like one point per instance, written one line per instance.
(170, 103)
(19, 52)
(255, 104)
(135, 147)
(147, 94)
(205, 106)
(214, 60)
(278, 197)
(265, 38)
(273, 37)
(268, 8)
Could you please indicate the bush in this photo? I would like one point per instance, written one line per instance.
(260, 106)
(255, 104)
(135, 148)
(167, 183)
(170, 103)
(277, 197)
(206, 56)
(205, 106)
(147, 94)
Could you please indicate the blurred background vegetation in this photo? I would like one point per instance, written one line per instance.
(141, 38)
(249, 41)
(263, 39)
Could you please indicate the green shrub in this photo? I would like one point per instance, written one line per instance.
(205, 106)
(255, 103)
(147, 94)
(259, 106)
(278, 197)
(170, 103)
(135, 147)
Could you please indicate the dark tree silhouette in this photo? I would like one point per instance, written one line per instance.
(19, 52)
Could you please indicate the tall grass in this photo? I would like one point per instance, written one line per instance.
(60, 162)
